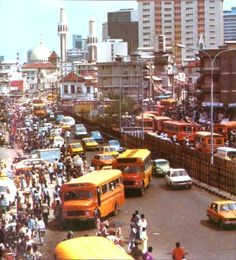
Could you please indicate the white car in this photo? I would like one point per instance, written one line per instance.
(8, 189)
(68, 120)
(178, 178)
(58, 141)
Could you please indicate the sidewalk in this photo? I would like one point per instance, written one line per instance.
(214, 190)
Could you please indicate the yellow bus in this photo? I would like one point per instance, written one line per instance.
(94, 195)
(89, 247)
(136, 168)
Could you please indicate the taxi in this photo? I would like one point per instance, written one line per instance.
(109, 150)
(75, 148)
(101, 160)
(90, 144)
(222, 212)
(64, 127)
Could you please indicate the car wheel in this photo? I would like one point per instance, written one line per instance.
(142, 190)
(116, 209)
(210, 219)
(221, 224)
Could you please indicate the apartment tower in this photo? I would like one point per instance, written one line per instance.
(181, 21)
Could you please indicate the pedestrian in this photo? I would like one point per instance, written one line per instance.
(36, 254)
(45, 213)
(142, 224)
(41, 228)
(136, 252)
(148, 254)
(178, 252)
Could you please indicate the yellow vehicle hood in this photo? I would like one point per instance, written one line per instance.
(228, 214)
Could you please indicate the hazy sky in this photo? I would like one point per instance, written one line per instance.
(23, 21)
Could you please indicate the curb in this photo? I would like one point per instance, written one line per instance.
(223, 194)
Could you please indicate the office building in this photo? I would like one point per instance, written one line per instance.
(181, 21)
(230, 25)
(123, 24)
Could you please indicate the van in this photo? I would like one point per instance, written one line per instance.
(49, 155)
(227, 153)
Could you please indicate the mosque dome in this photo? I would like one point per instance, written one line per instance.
(40, 54)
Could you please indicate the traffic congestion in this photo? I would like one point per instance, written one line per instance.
(79, 182)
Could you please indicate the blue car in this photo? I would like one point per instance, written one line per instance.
(116, 144)
(96, 135)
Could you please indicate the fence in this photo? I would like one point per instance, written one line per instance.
(221, 175)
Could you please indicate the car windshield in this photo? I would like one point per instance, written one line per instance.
(114, 142)
(162, 163)
(67, 119)
(80, 129)
(89, 140)
(76, 145)
(96, 134)
(232, 155)
(129, 169)
(229, 206)
(78, 195)
(107, 157)
(178, 173)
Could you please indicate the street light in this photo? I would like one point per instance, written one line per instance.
(212, 59)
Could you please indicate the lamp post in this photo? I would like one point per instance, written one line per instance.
(212, 59)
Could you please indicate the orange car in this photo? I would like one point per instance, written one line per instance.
(101, 160)
(222, 212)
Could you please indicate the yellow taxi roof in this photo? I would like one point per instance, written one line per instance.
(224, 201)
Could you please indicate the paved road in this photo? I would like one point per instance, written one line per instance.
(172, 215)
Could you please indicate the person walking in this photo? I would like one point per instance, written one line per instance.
(178, 252)
(148, 254)
(41, 228)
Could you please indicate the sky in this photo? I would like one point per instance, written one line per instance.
(24, 22)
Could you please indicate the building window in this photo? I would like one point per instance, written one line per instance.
(72, 89)
(66, 89)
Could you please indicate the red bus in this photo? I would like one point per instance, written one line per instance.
(181, 129)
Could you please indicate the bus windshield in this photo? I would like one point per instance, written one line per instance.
(78, 195)
(129, 169)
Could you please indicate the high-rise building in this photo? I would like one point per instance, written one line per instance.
(92, 41)
(123, 24)
(181, 21)
(78, 42)
(230, 25)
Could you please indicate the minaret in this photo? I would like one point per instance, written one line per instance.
(92, 41)
(62, 30)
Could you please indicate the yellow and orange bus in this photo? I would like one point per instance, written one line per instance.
(203, 141)
(225, 128)
(89, 247)
(136, 168)
(39, 108)
(181, 129)
(158, 122)
(91, 196)
(145, 121)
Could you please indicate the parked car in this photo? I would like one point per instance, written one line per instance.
(116, 144)
(58, 141)
(89, 143)
(178, 178)
(80, 131)
(75, 148)
(101, 160)
(27, 164)
(96, 135)
(160, 167)
(222, 212)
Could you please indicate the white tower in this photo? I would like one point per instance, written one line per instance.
(62, 30)
(92, 41)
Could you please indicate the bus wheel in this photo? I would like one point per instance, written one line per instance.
(116, 209)
(142, 190)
